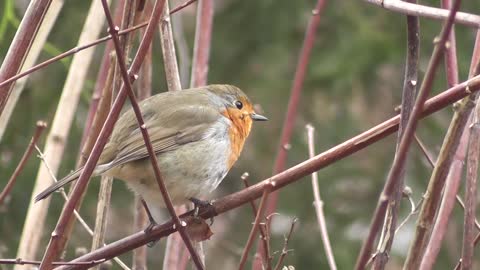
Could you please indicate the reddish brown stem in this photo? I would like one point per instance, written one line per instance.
(294, 100)
(11, 182)
(254, 230)
(10, 79)
(53, 248)
(203, 36)
(20, 46)
(394, 176)
(23, 262)
(263, 232)
(287, 177)
(146, 137)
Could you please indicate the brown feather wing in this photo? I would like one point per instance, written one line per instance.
(169, 126)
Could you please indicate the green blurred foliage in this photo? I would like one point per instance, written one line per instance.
(354, 81)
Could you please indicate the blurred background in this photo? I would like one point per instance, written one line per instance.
(354, 82)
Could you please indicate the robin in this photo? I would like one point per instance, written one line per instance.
(197, 135)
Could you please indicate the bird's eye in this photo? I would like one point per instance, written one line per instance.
(239, 104)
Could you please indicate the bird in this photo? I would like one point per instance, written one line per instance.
(197, 135)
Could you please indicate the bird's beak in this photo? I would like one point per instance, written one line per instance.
(258, 117)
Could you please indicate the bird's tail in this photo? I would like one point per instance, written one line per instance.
(67, 179)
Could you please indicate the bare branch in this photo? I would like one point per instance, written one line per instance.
(253, 231)
(398, 165)
(287, 177)
(408, 100)
(23, 161)
(285, 246)
(427, 12)
(293, 101)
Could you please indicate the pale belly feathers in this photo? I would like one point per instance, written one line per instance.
(193, 170)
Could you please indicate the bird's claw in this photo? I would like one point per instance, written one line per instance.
(198, 204)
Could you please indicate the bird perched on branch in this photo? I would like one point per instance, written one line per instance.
(197, 135)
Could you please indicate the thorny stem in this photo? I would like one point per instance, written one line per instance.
(318, 203)
(294, 100)
(408, 101)
(39, 128)
(286, 177)
(394, 176)
(53, 249)
(59, 57)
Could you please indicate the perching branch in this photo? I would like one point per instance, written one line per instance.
(287, 177)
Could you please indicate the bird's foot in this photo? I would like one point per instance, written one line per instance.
(198, 204)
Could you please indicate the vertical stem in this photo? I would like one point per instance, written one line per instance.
(168, 51)
(20, 46)
(318, 203)
(294, 100)
(144, 90)
(394, 175)
(408, 101)
(203, 36)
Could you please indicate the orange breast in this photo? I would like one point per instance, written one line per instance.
(238, 133)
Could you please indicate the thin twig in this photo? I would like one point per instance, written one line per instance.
(78, 190)
(264, 235)
(144, 90)
(143, 128)
(395, 173)
(75, 212)
(253, 231)
(318, 203)
(77, 49)
(201, 47)
(293, 101)
(427, 12)
(23, 262)
(286, 177)
(431, 162)
(413, 210)
(39, 128)
(285, 246)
